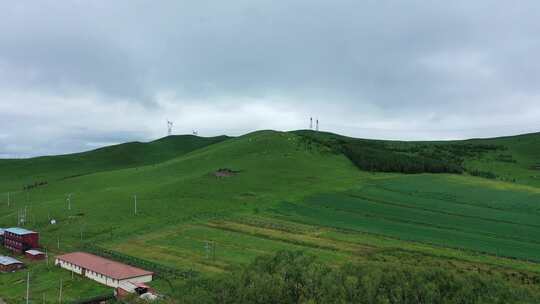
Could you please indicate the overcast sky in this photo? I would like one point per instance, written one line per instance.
(76, 75)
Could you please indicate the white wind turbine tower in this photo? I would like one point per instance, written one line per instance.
(169, 127)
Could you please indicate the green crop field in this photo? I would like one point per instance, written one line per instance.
(507, 224)
(286, 191)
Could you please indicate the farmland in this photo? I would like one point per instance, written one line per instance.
(489, 220)
(288, 192)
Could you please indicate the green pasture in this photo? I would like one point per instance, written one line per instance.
(440, 210)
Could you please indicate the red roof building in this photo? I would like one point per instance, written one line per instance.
(102, 270)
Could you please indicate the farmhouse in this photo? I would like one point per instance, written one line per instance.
(104, 271)
(9, 264)
(2, 237)
(19, 239)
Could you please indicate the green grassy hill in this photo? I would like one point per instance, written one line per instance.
(21, 172)
(293, 191)
(512, 159)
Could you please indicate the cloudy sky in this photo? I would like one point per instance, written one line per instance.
(76, 75)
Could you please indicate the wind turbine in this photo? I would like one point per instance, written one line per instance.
(169, 127)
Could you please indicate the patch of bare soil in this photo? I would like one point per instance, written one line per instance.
(225, 172)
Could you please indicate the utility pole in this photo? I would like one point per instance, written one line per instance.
(135, 201)
(28, 287)
(21, 216)
(8, 199)
(58, 242)
(60, 294)
(69, 201)
(21, 219)
(47, 256)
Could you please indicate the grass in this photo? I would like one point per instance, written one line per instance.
(52, 168)
(287, 195)
(186, 246)
(434, 210)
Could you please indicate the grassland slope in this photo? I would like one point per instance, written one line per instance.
(272, 166)
(50, 168)
(513, 159)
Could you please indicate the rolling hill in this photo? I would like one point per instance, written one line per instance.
(281, 191)
(512, 159)
(24, 172)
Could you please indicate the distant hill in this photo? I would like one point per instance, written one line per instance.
(511, 158)
(126, 155)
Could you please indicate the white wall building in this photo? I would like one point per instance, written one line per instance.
(104, 271)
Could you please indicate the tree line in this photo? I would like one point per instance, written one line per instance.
(381, 160)
(295, 277)
(406, 157)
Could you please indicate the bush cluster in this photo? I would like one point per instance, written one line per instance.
(381, 160)
(405, 157)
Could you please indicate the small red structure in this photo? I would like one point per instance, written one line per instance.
(129, 288)
(35, 255)
(121, 293)
(19, 239)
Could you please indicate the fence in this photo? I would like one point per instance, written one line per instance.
(158, 269)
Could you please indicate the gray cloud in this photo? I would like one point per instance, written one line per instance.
(386, 69)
